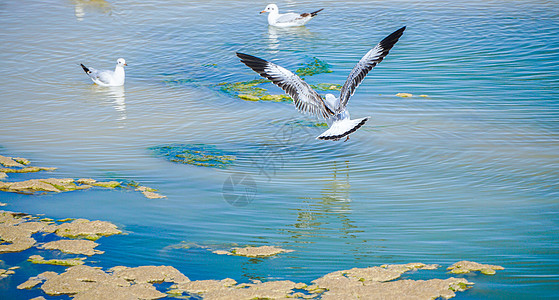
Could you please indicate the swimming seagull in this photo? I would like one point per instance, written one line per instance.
(288, 19)
(307, 100)
(107, 77)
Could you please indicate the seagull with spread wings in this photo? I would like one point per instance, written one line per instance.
(307, 100)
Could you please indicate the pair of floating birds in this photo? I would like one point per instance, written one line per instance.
(116, 77)
(306, 100)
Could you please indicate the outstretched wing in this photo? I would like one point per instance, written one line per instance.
(366, 64)
(306, 99)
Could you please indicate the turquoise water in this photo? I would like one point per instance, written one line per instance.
(468, 173)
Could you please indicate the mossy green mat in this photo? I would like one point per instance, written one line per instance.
(194, 154)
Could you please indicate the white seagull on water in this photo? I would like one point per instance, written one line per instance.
(107, 77)
(288, 19)
(307, 100)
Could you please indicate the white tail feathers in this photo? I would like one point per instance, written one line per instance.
(342, 128)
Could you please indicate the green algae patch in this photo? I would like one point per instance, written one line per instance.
(37, 259)
(317, 66)
(31, 186)
(85, 247)
(80, 281)
(107, 184)
(92, 182)
(404, 95)
(149, 274)
(460, 286)
(249, 97)
(18, 165)
(327, 87)
(465, 267)
(380, 283)
(6, 272)
(201, 155)
(229, 289)
(303, 123)
(383, 273)
(36, 280)
(276, 98)
(174, 82)
(54, 185)
(10, 161)
(22, 161)
(14, 238)
(252, 91)
(85, 282)
(65, 220)
(149, 193)
(16, 233)
(58, 185)
(244, 87)
(83, 228)
(27, 170)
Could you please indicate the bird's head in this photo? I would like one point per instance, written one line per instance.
(270, 8)
(330, 97)
(121, 62)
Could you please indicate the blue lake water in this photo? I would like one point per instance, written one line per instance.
(469, 172)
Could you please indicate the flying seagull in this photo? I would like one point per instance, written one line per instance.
(288, 19)
(307, 100)
(107, 77)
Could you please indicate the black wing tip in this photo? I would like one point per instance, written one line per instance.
(249, 58)
(85, 69)
(314, 13)
(255, 63)
(399, 31)
(242, 55)
(390, 40)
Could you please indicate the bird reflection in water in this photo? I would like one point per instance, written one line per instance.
(115, 95)
(329, 215)
(275, 33)
(81, 6)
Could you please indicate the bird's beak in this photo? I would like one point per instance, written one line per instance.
(126, 64)
(262, 12)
